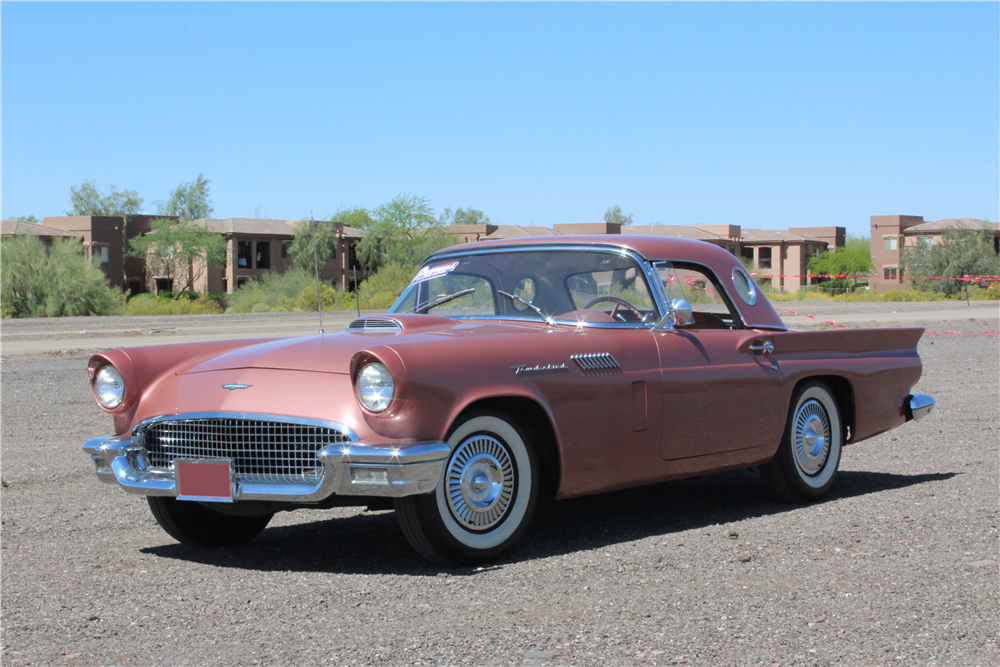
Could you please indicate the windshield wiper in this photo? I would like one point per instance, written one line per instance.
(443, 299)
(514, 297)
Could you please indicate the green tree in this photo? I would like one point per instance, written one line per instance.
(26, 218)
(356, 217)
(402, 231)
(36, 281)
(854, 259)
(178, 250)
(614, 214)
(189, 201)
(463, 216)
(86, 199)
(302, 245)
(962, 252)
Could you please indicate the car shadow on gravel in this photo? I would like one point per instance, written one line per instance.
(372, 543)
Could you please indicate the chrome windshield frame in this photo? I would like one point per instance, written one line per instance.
(644, 265)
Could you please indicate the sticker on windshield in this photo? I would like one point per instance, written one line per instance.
(429, 272)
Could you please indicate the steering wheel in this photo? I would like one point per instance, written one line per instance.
(618, 302)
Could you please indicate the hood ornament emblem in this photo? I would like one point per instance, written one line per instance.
(236, 386)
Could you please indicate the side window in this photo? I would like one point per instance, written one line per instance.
(701, 289)
(619, 295)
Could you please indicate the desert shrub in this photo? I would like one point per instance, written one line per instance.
(277, 291)
(391, 278)
(332, 299)
(145, 304)
(56, 282)
(381, 301)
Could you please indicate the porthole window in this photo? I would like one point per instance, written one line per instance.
(744, 286)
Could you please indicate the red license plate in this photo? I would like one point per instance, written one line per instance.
(204, 480)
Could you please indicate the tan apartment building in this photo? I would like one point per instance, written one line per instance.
(891, 233)
(106, 238)
(255, 247)
(45, 234)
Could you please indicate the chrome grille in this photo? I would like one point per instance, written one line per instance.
(596, 362)
(374, 324)
(262, 451)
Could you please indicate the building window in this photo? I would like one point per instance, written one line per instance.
(263, 255)
(889, 243)
(764, 258)
(104, 254)
(890, 273)
(924, 241)
(747, 254)
(286, 246)
(352, 258)
(164, 285)
(240, 282)
(244, 254)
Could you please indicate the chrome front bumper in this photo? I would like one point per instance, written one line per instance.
(411, 469)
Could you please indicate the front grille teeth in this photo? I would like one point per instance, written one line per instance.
(262, 451)
(599, 361)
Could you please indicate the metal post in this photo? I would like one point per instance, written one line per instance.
(319, 298)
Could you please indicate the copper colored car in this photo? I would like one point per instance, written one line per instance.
(506, 372)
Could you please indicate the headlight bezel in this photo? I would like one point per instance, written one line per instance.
(373, 392)
(115, 384)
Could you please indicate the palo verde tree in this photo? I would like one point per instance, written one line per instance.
(87, 199)
(36, 281)
(853, 260)
(614, 215)
(403, 231)
(189, 201)
(463, 216)
(181, 251)
(961, 253)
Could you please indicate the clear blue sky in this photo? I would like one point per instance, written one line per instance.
(763, 115)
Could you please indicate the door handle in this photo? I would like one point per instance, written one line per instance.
(766, 348)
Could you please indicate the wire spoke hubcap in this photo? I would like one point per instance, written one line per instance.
(480, 482)
(812, 437)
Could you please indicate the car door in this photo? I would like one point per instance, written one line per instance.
(720, 384)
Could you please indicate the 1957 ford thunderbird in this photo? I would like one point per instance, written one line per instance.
(506, 372)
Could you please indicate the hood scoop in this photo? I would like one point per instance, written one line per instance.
(399, 324)
(379, 324)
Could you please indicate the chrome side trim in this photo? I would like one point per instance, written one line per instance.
(919, 406)
(595, 362)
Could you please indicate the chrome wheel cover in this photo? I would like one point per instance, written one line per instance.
(811, 437)
(480, 483)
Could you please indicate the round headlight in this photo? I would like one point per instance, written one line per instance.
(375, 387)
(109, 387)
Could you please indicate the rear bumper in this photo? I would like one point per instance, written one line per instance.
(410, 469)
(919, 406)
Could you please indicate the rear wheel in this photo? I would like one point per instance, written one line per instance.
(195, 525)
(485, 500)
(808, 457)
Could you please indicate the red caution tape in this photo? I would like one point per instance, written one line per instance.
(830, 322)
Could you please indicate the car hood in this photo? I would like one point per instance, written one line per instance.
(332, 353)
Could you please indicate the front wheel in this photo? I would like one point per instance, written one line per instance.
(806, 463)
(195, 525)
(485, 499)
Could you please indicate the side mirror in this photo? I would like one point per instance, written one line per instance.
(678, 314)
(681, 310)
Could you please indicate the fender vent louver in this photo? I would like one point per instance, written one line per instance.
(596, 362)
(374, 324)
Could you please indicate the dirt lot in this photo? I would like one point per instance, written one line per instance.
(899, 565)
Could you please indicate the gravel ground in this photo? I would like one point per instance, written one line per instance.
(899, 565)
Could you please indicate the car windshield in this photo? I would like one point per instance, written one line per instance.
(565, 285)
